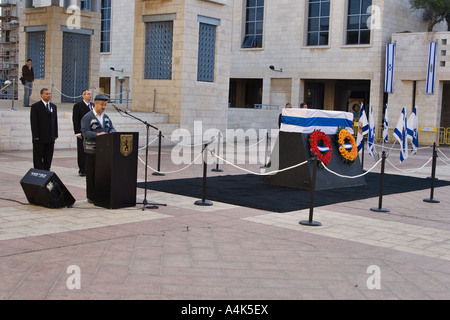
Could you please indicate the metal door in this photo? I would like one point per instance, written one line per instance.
(75, 66)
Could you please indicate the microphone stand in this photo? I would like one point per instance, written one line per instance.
(145, 203)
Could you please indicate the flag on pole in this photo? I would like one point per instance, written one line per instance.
(431, 68)
(400, 134)
(413, 131)
(386, 125)
(371, 140)
(363, 128)
(389, 72)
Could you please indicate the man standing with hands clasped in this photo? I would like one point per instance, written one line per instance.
(78, 112)
(93, 124)
(44, 129)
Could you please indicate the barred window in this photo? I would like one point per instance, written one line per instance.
(206, 52)
(36, 52)
(158, 50)
(358, 31)
(318, 22)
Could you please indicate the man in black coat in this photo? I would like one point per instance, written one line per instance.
(44, 130)
(79, 110)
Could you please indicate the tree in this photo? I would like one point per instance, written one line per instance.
(447, 18)
(434, 11)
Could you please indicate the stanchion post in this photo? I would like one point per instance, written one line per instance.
(433, 177)
(380, 199)
(266, 151)
(362, 153)
(204, 202)
(158, 173)
(311, 222)
(217, 169)
(13, 95)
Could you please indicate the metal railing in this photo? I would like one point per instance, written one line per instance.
(427, 135)
(267, 106)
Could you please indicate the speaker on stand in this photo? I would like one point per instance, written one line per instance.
(44, 188)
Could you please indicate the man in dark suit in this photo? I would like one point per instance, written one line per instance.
(79, 110)
(44, 130)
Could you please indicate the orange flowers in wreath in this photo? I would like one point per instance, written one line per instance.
(320, 144)
(346, 142)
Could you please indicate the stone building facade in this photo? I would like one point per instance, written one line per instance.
(291, 65)
(64, 45)
(411, 66)
(190, 42)
(193, 59)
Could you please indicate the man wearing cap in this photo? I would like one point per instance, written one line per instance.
(93, 124)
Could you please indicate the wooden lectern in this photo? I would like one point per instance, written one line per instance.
(116, 170)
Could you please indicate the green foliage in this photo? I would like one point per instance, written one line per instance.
(434, 11)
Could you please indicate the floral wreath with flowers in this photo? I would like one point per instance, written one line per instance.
(320, 145)
(347, 146)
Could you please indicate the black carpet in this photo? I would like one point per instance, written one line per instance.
(249, 191)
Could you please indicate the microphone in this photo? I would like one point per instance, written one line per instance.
(118, 109)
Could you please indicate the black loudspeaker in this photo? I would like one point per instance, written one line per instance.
(45, 189)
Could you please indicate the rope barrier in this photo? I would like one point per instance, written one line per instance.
(70, 97)
(352, 177)
(397, 149)
(31, 88)
(442, 153)
(255, 144)
(255, 173)
(189, 145)
(175, 171)
(444, 157)
(410, 171)
(148, 144)
(446, 163)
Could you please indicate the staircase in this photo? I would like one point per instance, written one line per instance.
(15, 128)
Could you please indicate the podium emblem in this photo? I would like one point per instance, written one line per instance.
(126, 144)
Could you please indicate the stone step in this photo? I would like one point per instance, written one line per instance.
(15, 128)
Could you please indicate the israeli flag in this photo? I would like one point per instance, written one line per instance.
(363, 128)
(386, 125)
(400, 133)
(431, 68)
(389, 72)
(371, 140)
(413, 131)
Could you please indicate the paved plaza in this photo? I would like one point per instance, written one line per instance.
(183, 251)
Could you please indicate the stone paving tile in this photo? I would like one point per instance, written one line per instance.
(223, 252)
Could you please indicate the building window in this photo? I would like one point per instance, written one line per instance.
(105, 33)
(358, 31)
(254, 22)
(158, 50)
(206, 52)
(36, 52)
(85, 5)
(318, 22)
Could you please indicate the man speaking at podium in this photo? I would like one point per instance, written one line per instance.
(94, 123)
